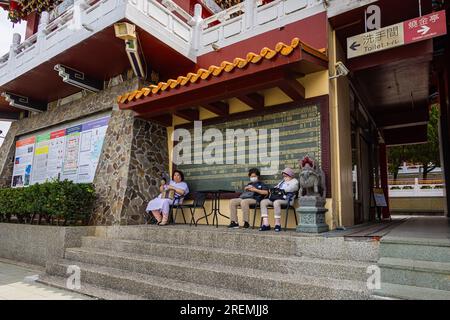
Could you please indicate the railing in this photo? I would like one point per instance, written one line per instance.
(56, 32)
(190, 35)
(416, 188)
(250, 16)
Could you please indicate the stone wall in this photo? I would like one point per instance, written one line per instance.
(134, 154)
(89, 105)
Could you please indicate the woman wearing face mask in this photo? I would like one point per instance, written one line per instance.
(253, 193)
(290, 186)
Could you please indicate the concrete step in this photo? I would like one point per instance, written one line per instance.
(339, 269)
(428, 274)
(247, 280)
(437, 250)
(142, 285)
(284, 243)
(405, 292)
(206, 236)
(87, 289)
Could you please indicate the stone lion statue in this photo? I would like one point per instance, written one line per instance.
(312, 179)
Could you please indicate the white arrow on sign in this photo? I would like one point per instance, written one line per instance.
(424, 30)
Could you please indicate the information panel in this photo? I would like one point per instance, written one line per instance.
(70, 153)
(299, 135)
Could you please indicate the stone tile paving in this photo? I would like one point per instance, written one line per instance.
(16, 283)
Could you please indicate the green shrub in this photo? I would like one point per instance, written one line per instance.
(408, 188)
(426, 187)
(62, 200)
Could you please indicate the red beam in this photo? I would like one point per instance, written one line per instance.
(220, 108)
(236, 83)
(407, 135)
(253, 100)
(210, 91)
(164, 120)
(293, 89)
(188, 114)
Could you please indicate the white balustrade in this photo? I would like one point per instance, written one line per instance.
(189, 35)
(251, 17)
(417, 189)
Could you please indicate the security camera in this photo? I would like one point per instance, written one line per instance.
(341, 70)
(215, 46)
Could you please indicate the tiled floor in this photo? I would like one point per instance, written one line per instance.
(16, 283)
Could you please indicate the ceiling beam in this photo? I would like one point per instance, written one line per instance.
(164, 120)
(220, 108)
(207, 92)
(253, 100)
(188, 114)
(24, 103)
(78, 79)
(293, 89)
(407, 135)
(8, 116)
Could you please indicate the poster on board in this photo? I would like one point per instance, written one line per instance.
(68, 153)
(70, 164)
(92, 137)
(23, 162)
(56, 154)
(41, 150)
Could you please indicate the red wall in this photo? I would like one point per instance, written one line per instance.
(188, 6)
(313, 31)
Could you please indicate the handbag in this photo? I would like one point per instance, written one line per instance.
(276, 194)
(168, 194)
(247, 195)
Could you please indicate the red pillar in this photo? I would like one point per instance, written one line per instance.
(32, 24)
(384, 179)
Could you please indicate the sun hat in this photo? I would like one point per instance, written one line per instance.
(289, 172)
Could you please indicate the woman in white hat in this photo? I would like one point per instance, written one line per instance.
(290, 186)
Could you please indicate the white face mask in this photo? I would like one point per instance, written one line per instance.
(254, 179)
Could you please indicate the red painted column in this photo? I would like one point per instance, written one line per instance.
(32, 24)
(384, 179)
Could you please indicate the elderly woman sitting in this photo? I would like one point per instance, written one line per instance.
(160, 206)
(290, 187)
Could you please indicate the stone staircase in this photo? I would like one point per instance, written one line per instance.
(182, 262)
(415, 268)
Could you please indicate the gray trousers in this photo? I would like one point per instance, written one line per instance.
(245, 206)
(276, 207)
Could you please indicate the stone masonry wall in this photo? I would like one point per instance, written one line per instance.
(134, 154)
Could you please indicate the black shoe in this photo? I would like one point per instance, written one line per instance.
(264, 228)
(246, 225)
(233, 225)
(277, 228)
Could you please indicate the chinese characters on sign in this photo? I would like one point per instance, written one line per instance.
(426, 27)
(419, 29)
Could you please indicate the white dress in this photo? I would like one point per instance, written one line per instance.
(164, 204)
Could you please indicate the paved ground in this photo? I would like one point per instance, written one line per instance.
(16, 284)
(435, 228)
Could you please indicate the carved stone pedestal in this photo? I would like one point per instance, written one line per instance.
(312, 215)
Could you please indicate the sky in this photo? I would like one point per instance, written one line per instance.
(6, 33)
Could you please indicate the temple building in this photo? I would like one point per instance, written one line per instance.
(97, 89)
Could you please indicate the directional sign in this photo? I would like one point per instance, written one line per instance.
(426, 27)
(419, 29)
